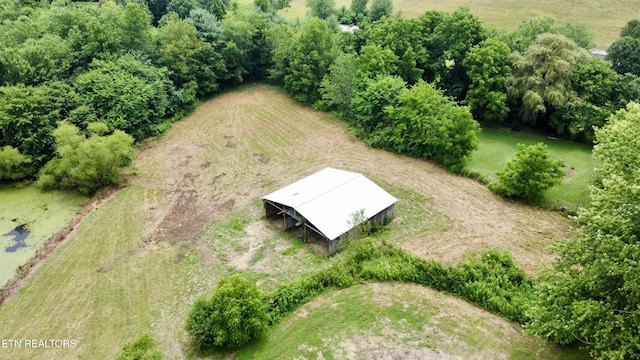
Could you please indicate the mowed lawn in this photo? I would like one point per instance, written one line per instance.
(497, 146)
(193, 214)
(603, 18)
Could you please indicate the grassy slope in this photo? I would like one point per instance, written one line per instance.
(604, 18)
(394, 320)
(499, 146)
(193, 215)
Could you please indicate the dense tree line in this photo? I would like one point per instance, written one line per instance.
(132, 66)
(137, 66)
(591, 294)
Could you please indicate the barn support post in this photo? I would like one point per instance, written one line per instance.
(333, 246)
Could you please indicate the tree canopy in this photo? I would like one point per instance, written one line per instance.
(87, 164)
(487, 65)
(234, 315)
(541, 77)
(429, 125)
(591, 293)
(314, 51)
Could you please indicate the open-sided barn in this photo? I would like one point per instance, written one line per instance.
(330, 203)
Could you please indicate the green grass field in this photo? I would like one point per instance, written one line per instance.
(603, 18)
(395, 320)
(193, 214)
(497, 146)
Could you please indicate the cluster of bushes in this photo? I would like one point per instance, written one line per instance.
(238, 311)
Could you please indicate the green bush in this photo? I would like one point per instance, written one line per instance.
(529, 174)
(87, 164)
(12, 163)
(235, 314)
(287, 297)
(141, 349)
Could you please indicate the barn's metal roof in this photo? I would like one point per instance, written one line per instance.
(329, 197)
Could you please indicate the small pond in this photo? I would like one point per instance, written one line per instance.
(28, 218)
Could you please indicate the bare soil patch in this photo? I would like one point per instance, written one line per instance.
(242, 145)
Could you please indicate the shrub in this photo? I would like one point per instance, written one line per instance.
(12, 163)
(235, 314)
(141, 349)
(87, 164)
(529, 174)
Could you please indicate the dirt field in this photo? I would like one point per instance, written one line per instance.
(137, 263)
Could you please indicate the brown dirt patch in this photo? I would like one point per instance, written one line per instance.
(242, 145)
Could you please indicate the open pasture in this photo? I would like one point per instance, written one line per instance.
(193, 214)
(497, 146)
(603, 18)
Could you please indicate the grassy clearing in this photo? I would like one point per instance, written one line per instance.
(193, 214)
(42, 214)
(397, 321)
(497, 146)
(603, 18)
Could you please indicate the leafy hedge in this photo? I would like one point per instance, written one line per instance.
(492, 282)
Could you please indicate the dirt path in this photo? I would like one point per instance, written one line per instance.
(241, 145)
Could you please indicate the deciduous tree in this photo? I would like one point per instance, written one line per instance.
(12, 163)
(429, 125)
(487, 66)
(380, 9)
(541, 77)
(235, 314)
(526, 34)
(359, 10)
(452, 38)
(632, 29)
(337, 86)
(404, 38)
(314, 51)
(322, 9)
(126, 95)
(28, 116)
(591, 293)
(595, 84)
(624, 54)
(370, 100)
(87, 164)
